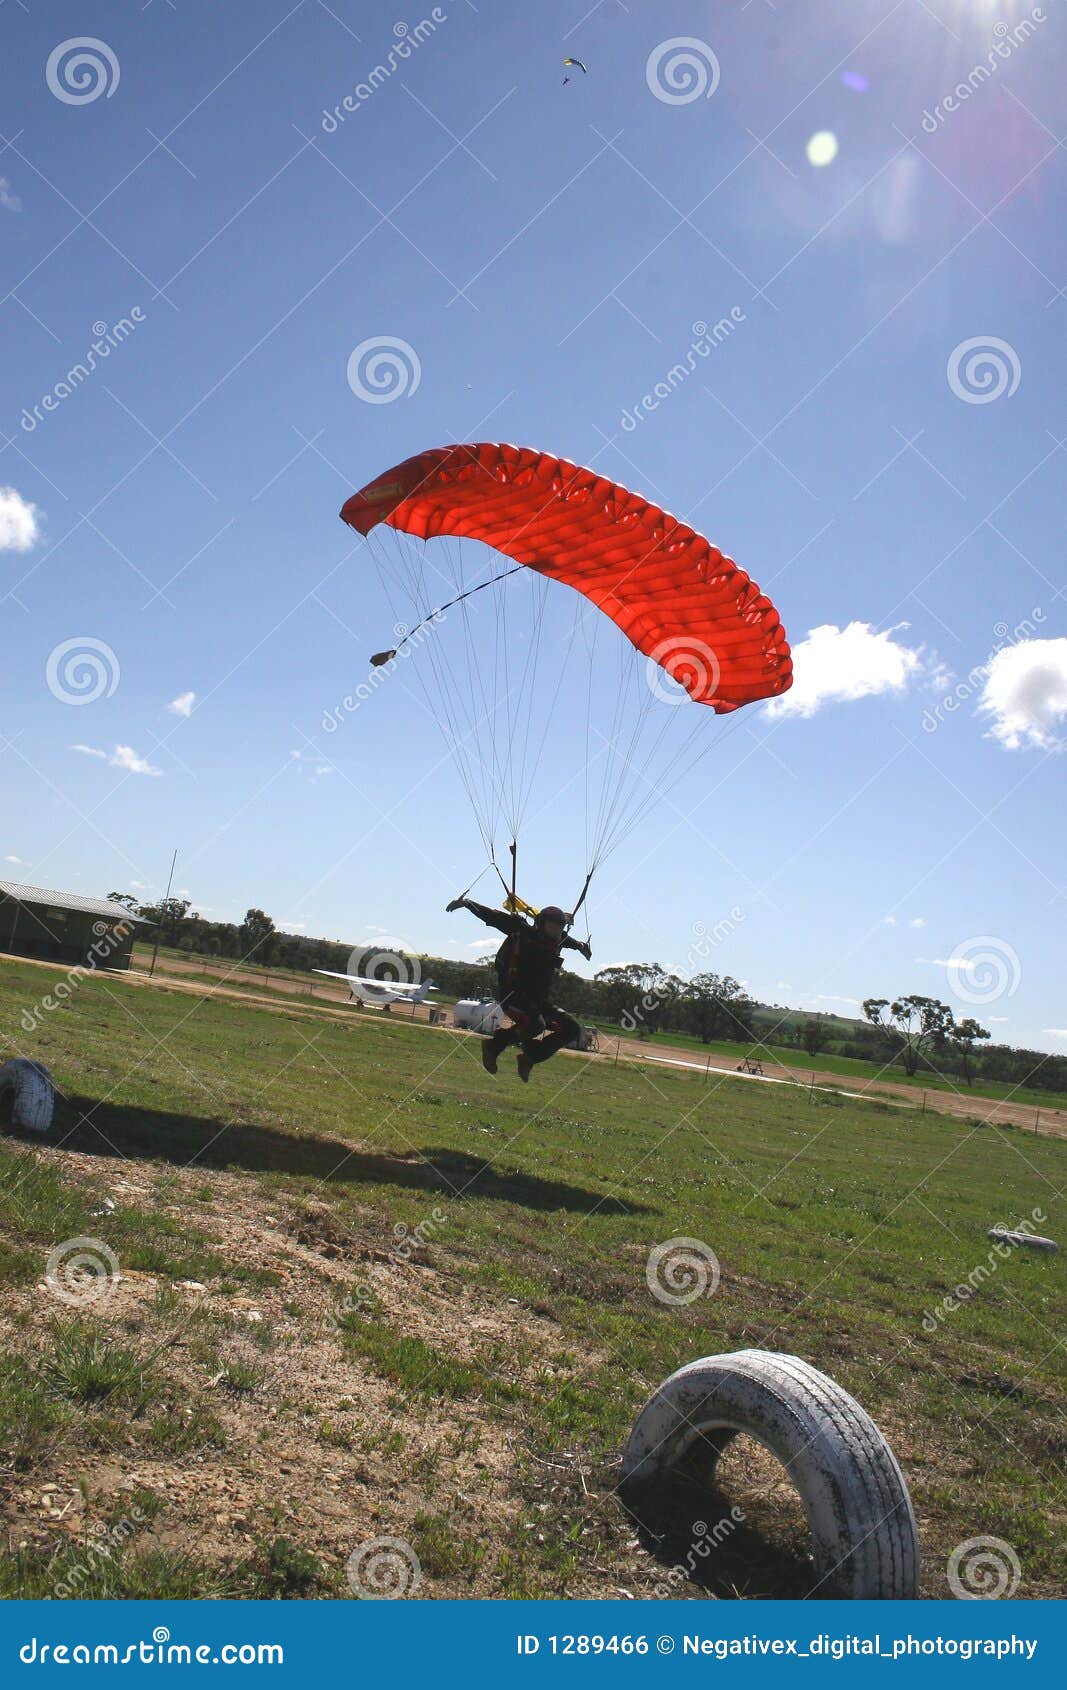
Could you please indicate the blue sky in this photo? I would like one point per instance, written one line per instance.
(876, 440)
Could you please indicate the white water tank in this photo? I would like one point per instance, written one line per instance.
(478, 1015)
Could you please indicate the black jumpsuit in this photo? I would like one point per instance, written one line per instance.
(526, 966)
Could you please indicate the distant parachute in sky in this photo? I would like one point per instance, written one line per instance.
(576, 64)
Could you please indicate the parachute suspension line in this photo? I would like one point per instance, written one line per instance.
(446, 700)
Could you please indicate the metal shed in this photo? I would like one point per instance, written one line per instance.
(65, 927)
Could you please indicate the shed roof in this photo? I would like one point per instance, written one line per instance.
(65, 901)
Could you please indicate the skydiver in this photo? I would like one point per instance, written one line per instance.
(526, 964)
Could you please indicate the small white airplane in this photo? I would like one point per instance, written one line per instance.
(379, 994)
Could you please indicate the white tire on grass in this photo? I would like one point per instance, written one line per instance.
(32, 1099)
(864, 1537)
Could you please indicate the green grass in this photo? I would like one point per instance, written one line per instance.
(838, 1226)
(415, 1366)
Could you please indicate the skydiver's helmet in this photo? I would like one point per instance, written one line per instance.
(552, 922)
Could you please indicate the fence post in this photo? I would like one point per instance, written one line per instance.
(924, 1103)
(618, 1042)
(811, 1088)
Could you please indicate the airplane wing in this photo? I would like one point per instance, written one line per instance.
(392, 986)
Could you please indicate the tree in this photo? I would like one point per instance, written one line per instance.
(719, 1008)
(126, 899)
(918, 1023)
(256, 936)
(635, 994)
(814, 1037)
(965, 1036)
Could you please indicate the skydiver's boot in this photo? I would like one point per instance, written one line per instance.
(523, 1064)
(489, 1055)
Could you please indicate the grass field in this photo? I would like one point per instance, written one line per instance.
(365, 1291)
(285, 982)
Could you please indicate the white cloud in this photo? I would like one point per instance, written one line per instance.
(1026, 693)
(835, 665)
(917, 921)
(8, 200)
(483, 945)
(890, 920)
(182, 705)
(1055, 1032)
(123, 757)
(15, 860)
(19, 528)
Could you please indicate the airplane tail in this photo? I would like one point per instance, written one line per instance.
(425, 987)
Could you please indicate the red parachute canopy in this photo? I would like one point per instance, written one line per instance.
(681, 602)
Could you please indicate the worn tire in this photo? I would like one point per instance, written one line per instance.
(864, 1538)
(29, 1085)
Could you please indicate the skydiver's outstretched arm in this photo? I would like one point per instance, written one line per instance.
(502, 920)
(582, 945)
